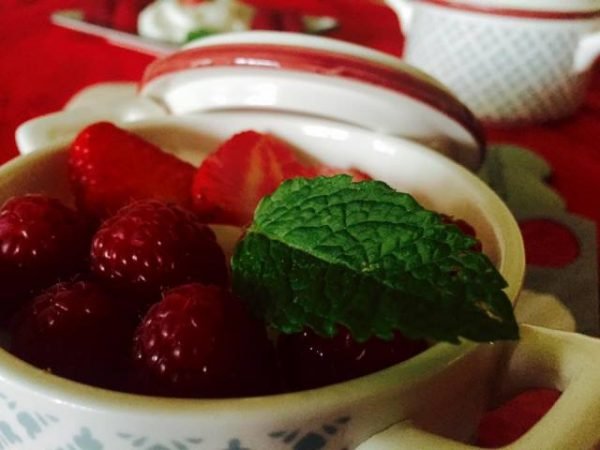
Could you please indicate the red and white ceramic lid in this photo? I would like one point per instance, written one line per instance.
(317, 77)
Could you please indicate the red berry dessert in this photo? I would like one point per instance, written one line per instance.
(301, 265)
(41, 242)
(199, 341)
(75, 330)
(150, 246)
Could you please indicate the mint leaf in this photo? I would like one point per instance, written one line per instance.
(326, 252)
(199, 33)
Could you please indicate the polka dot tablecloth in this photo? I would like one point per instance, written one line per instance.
(42, 66)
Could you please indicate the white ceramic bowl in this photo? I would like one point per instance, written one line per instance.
(45, 411)
(443, 390)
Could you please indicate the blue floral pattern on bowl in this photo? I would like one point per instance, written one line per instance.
(27, 426)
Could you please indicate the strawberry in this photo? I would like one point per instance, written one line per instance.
(75, 330)
(200, 341)
(41, 242)
(110, 167)
(150, 246)
(231, 181)
(255, 164)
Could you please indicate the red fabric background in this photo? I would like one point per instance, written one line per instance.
(42, 66)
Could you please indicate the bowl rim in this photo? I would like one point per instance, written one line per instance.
(434, 360)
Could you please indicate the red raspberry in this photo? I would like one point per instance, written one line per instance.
(199, 341)
(41, 241)
(311, 361)
(150, 246)
(77, 331)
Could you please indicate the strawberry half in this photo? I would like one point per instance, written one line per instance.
(110, 167)
(231, 181)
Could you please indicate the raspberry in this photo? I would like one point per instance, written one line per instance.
(311, 361)
(150, 246)
(41, 242)
(77, 331)
(199, 341)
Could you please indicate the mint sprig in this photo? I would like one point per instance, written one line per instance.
(326, 252)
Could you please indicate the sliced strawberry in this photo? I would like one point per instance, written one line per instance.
(231, 181)
(110, 167)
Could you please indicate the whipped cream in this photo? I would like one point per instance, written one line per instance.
(171, 21)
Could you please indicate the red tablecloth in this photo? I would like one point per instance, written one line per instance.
(42, 66)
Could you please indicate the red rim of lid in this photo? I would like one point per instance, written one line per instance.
(276, 57)
(515, 12)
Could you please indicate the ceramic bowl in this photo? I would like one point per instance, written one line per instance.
(42, 410)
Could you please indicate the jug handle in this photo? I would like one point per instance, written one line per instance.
(587, 52)
(542, 357)
(404, 10)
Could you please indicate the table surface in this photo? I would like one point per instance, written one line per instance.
(42, 66)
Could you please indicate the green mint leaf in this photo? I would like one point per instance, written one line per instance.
(326, 252)
(199, 34)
